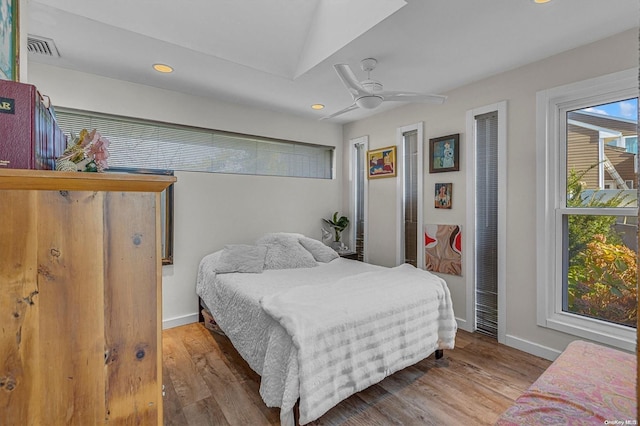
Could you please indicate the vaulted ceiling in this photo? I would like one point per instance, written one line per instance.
(279, 54)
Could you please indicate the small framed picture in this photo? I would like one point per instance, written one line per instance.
(382, 162)
(444, 191)
(444, 154)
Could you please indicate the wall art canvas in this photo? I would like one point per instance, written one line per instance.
(382, 162)
(9, 39)
(443, 249)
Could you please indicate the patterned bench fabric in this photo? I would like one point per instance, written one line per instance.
(587, 384)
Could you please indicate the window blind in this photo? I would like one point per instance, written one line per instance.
(144, 144)
(486, 232)
(360, 173)
(410, 185)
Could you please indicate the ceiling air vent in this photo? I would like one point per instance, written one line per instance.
(42, 46)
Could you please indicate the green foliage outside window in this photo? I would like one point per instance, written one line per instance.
(602, 273)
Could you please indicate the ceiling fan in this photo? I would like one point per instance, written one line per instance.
(369, 94)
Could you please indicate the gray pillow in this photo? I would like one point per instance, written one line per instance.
(285, 252)
(320, 251)
(280, 238)
(241, 258)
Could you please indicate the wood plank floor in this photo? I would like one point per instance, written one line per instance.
(208, 383)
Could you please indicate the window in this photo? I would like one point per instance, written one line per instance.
(587, 210)
(153, 145)
(410, 176)
(630, 143)
(486, 209)
(409, 227)
(358, 206)
(486, 223)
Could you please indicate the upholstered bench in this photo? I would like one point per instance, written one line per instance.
(586, 384)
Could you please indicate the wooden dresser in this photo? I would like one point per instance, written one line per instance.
(80, 298)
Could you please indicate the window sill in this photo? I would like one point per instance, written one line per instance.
(614, 335)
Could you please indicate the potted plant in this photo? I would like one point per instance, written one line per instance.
(338, 225)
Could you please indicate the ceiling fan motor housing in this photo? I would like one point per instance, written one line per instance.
(372, 86)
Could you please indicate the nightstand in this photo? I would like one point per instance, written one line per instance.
(349, 255)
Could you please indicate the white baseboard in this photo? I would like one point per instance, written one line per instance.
(178, 321)
(463, 325)
(518, 343)
(532, 348)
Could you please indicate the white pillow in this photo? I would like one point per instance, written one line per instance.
(284, 251)
(319, 251)
(241, 258)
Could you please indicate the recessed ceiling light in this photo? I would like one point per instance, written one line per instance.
(317, 106)
(162, 68)
(541, 1)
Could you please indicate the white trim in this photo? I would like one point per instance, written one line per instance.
(601, 160)
(552, 104)
(178, 321)
(400, 131)
(469, 238)
(352, 188)
(531, 347)
(463, 325)
(470, 269)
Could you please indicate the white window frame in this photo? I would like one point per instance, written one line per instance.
(400, 131)
(551, 106)
(364, 140)
(469, 237)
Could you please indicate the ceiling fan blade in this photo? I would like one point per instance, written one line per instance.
(413, 97)
(342, 111)
(349, 79)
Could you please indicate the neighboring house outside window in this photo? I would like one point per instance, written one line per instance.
(587, 209)
(597, 145)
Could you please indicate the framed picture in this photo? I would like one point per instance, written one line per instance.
(444, 154)
(382, 162)
(9, 39)
(443, 194)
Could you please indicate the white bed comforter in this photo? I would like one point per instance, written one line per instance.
(321, 334)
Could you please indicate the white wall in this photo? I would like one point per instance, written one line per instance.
(211, 210)
(518, 87)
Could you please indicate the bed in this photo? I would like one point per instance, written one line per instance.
(587, 384)
(318, 328)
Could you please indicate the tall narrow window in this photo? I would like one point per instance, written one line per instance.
(359, 192)
(587, 250)
(486, 230)
(410, 177)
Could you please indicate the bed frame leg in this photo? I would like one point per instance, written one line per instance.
(439, 353)
(296, 413)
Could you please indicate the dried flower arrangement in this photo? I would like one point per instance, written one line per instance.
(86, 153)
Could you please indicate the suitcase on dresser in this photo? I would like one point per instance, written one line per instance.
(29, 135)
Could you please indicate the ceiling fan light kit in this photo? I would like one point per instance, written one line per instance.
(369, 94)
(369, 102)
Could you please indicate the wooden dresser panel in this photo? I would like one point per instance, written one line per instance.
(80, 303)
